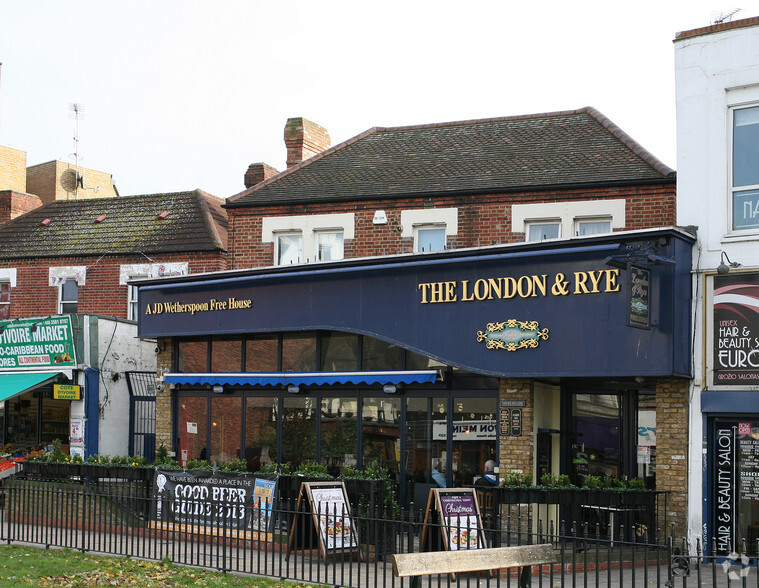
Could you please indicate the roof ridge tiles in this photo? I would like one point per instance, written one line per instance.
(631, 143)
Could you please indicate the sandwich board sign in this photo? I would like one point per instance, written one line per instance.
(327, 507)
(456, 513)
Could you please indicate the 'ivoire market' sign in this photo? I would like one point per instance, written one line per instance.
(30, 343)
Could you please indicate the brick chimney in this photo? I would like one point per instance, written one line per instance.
(257, 173)
(13, 204)
(304, 139)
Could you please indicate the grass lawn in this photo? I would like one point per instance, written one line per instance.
(69, 569)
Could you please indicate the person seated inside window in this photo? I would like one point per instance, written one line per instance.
(438, 473)
(489, 478)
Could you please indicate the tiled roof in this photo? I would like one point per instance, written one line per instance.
(195, 222)
(501, 154)
(718, 28)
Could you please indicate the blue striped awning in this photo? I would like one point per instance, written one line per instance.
(304, 378)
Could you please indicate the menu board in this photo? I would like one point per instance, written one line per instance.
(456, 513)
(735, 330)
(329, 509)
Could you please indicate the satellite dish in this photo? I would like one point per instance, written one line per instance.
(69, 180)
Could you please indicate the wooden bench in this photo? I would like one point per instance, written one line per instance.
(473, 560)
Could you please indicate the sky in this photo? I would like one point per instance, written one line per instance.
(179, 95)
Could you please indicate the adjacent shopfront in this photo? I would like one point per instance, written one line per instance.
(37, 361)
(730, 408)
(546, 358)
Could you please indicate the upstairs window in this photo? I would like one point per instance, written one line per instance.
(132, 309)
(289, 248)
(68, 297)
(539, 231)
(5, 300)
(431, 238)
(745, 168)
(593, 227)
(329, 245)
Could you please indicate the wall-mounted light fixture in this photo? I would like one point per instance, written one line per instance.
(389, 388)
(218, 389)
(293, 388)
(724, 268)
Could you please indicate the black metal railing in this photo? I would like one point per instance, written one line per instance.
(283, 540)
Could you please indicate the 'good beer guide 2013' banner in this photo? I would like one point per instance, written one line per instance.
(736, 330)
(220, 502)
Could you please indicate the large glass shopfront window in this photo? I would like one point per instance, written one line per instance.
(448, 435)
(226, 424)
(733, 481)
(261, 417)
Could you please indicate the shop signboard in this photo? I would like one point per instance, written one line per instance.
(218, 502)
(37, 343)
(736, 330)
(639, 297)
(67, 392)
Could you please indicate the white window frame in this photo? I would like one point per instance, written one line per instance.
(8, 276)
(598, 219)
(413, 220)
(734, 190)
(61, 302)
(132, 302)
(308, 226)
(322, 232)
(3, 305)
(277, 246)
(528, 226)
(58, 275)
(419, 231)
(568, 212)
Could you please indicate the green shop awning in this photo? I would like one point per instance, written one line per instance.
(14, 384)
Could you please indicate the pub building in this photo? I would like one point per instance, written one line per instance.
(568, 356)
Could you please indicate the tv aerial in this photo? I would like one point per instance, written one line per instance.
(76, 112)
(720, 17)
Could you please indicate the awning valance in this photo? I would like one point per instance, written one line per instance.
(305, 378)
(14, 384)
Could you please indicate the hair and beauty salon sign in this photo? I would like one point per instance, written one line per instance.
(558, 311)
(735, 330)
(36, 343)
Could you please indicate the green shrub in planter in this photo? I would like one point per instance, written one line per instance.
(313, 469)
(275, 469)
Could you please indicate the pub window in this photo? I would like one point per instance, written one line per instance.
(538, 231)
(379, 355)
(289, 248)
(595, 226)
(429, 238)
(262, 354)
(298, 352)
(329, 245)
(339, 352)
(226, 355)
(192, 356)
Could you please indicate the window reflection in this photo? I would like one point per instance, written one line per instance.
(260, 432)
(381, 433)
(339, 433)
(299, 352)
(298, 430)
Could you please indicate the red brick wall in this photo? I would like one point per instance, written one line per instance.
(482, 219)
(13, 204)
(101, 293)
